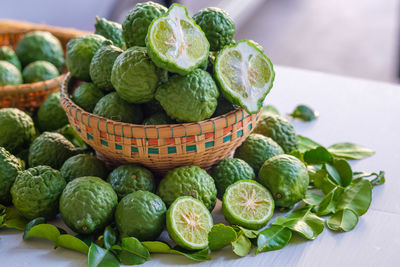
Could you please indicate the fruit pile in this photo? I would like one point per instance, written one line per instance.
(118, 215)
(38, 56)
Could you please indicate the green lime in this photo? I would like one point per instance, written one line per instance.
(229, 171)
(110, 30)
(8, 54)
(83, 165)
(176, 43)
(279, 129)
(36, 191)
(130, 178)
(140, 214)
(87, 204)
(39, 71)
(157, 119)
(248, 204)
(51, 115)
(188, 181)
(256, 149)
(189, 98)
(188, 223)
(217, 25)
(10, 167)
(245, 75)
(86, 96)
(17, 129)
(287, 179)
(9, 74)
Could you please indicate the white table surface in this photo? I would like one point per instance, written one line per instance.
(359, 111)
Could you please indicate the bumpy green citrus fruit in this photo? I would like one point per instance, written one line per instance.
(9, 74)
(248, 204)
(112, 107)
(17, 129)
(86, 96)
(10, 167)
(217, 25)
(51, 149)
(87, 204)
(36, 191)
(158, 118)
(134, 76)
(146, 210)
(287, 179)
(245, 75)
(189, 222)
(51, 116)
(110, 30)
(83, 165)
(39, 71)
(80, 52)
(136, 24)
(40, 45)
(176, 43)
(130, 178)
(256, 149)
(102, 64)
(228, 171)
(188, 181)
(280, 130)
(8, 54)
(189, 98)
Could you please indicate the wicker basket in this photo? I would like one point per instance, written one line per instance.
(159, 147)
(30, 96)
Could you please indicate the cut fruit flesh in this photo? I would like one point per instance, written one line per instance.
(245, 74)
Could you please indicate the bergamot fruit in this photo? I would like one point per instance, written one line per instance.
(83, 165)
(229, 171)
(110, 30)
(256, 149)
(86, 96)
(176, 43)
(87, 204)
(134, 76)
(280, 130)
(157, 119)
(9, 74)
(287, 179)
(188, 181)
(189, 98)
(36, 191)
(8, 54)
(140, 214)
(51, 115)
(217, 25)
(10, 167)
(38, 71)
(130, 178)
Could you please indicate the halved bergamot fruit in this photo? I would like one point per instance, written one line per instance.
(248, 204)
(245, 74)
(188, 223)
(175, 42)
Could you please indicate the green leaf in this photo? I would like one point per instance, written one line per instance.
(297, 154)
(356, 197)
(220, 236)
(317, 155)
(34, 222)
(312, 199)
(269, 110)
(14, 220)
(304, 113)
(377, 178)
(128, 258)
(273, 238)
(321, 180)
(305, 143)
(46, 231)
(340, 172)
(134, 246)
(160, 247)
(328, 204)
(242, 245)
(248, 232)
(72, 242)
(72, 136)
(110, 237)
(100, 257)
(350, 151)
(344, 220)
(303, 222)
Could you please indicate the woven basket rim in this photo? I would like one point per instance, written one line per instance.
(31, 87)
(129, 130)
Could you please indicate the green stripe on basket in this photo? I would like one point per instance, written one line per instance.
(89, 136)
(103, 142)
(250, 126)
(227, 138)
(153, 150)
(78, 129)
(240, 133)
(119, 147)
(134, 149)
(190, 148)
(209, 144)
(171, 150)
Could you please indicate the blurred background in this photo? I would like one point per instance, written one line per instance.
(359, 38)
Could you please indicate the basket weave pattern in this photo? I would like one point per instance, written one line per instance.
(30, 96)
(159, 147)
